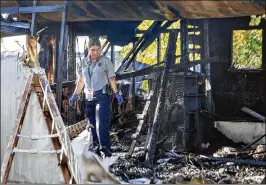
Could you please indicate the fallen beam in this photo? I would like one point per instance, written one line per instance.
(140, 40)
(32, 9)
(253, 113)
(151, 36)
(156, 32)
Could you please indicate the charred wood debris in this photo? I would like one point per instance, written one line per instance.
(152, 150)
(149, 155)
(139, 136)
(220, 161)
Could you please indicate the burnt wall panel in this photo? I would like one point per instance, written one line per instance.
(234, 89)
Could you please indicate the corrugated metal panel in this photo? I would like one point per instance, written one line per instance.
(26, 168)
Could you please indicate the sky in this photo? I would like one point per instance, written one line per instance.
(81, 41)
(10, 44)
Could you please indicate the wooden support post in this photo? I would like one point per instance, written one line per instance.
(207, 67)
(133, 85)
(169, 58)
(184, 43)
(113, 53)
(159, 48)
(71, 71)
(61, 59)
(71, 54)
(34, 21)
(33, 33)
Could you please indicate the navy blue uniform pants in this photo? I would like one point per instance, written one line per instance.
(99, 115)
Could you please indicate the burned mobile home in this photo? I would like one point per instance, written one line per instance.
(202, 117)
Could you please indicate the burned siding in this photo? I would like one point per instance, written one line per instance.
(235, 89)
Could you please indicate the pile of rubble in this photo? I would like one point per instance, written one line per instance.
(172, 167)
(227, 165)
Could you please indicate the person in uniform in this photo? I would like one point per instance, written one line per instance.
(96, 72)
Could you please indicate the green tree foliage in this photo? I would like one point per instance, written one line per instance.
(255, 20)
(149, 55)
(247, 46)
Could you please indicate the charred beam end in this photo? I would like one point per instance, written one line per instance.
(155, 33)
(16, 24)
(253, 113)
(14, 30)
(140, 40)
(152, 33)
(33, 9)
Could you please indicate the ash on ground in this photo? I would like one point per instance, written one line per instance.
(225, 165)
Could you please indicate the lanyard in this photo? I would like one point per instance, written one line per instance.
(92, 66)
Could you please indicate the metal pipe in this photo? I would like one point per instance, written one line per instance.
(61, 58)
